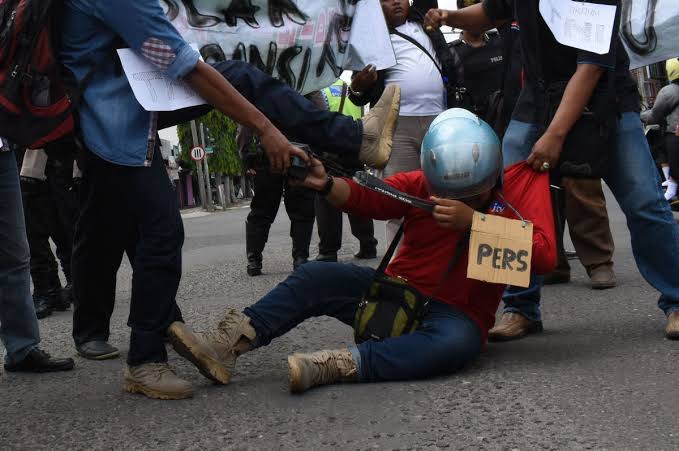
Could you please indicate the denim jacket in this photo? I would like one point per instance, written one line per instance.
(113, 124)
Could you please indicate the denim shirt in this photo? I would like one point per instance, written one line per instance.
(113, 123)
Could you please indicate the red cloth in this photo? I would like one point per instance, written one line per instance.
(427, 248)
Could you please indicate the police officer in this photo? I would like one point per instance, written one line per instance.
(480, 67)
(328, 217)
(269, 188)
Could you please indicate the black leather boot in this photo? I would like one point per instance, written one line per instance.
(255, 239)
(254, 264)
(300, 232)
(42, 306)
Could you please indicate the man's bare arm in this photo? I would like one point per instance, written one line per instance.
(575, 98)
(472, 18)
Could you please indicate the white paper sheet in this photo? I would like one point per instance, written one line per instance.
(369, 41)
(586, 26)
(152, 89)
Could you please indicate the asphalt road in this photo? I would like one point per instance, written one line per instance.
(601, 376)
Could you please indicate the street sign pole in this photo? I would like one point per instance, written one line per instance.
(210, 205)
(199, 167)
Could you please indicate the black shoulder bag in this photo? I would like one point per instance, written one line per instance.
(391, 307)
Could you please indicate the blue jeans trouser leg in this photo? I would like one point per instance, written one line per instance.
(446, 341)
(516, 146)
(19, 329)
(635, 183)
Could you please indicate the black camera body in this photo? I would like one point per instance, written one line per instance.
(337, 165)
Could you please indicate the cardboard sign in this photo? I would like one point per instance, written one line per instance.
(500, 250)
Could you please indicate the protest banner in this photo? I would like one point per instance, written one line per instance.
(649, 30)
(304, 43)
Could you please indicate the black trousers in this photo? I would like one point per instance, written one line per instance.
(299, 205)
(50, 211)
(329, 223)
(133, 210)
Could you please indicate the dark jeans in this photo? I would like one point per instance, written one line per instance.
(131, 209)
(18, 324)
(446, 341)
(299, 118)
(329, 223)
(299, 204)
(50, 212)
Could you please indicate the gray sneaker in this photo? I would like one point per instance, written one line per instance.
(156, 380)
(378, 128)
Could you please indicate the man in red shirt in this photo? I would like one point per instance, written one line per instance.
(461, 311)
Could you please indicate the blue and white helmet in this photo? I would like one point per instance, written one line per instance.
(461, 155)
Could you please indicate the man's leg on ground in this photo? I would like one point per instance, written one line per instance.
(329, 223)
(364, 230)
(102, 231)
(634, 181)
(263, 211)
(299, 205)
(589, 229)
(446, 342)
(18, 324)
(315, 289)
(157, 260)
(40, 217)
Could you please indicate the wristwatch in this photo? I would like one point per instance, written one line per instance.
(329, 183)
(356, 93)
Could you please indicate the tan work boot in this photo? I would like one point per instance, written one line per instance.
(602, 277)
(672, 328)
(156, 380)
(233, 336)
(320, 368)
(197, 350)
(378, 128)
(513, 326)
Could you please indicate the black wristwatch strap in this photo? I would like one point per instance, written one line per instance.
(329, 183)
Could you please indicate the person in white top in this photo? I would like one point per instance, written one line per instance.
(423, 92)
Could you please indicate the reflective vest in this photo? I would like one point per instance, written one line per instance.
(333, 95)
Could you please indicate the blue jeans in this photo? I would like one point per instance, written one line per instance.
(634, 181)
(18, 324)
(446, 341)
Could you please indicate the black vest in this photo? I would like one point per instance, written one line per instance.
(481, 70)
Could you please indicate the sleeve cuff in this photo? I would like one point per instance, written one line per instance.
(185, 62)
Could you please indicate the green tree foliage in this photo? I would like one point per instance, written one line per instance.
(221, 135)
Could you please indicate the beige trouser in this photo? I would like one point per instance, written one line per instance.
(584, 208)
(405, 156)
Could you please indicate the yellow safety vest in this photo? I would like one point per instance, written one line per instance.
(333, 94)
